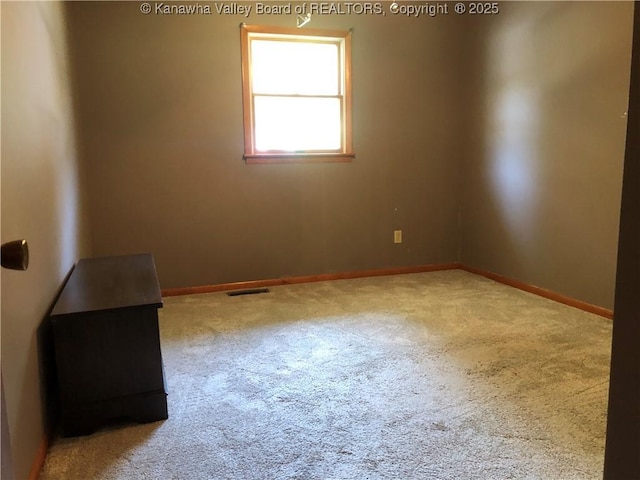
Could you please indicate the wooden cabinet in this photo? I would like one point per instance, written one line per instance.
(107, 344)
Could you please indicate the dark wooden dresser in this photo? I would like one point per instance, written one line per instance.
(107, 344)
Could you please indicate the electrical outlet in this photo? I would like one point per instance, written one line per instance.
(397, 236)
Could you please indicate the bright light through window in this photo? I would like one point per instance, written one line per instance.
(296, 93)
(297, 123)
(294, 68)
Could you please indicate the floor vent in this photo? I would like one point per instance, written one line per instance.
(250, 291)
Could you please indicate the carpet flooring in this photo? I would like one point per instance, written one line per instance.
(442, 375)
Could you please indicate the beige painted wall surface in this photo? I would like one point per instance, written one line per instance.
(543, 171)
(161, 123)
(40, 202)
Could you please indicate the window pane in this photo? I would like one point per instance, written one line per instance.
(294, 68)
(296, 124)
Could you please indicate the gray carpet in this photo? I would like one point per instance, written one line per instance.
(442, 375)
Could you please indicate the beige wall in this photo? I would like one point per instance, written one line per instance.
(523, 110)
(40, 202)
(543, 172)
(161, 123)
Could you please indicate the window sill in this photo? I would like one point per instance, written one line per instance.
(257, 158)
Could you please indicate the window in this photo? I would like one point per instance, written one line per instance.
(296, 94)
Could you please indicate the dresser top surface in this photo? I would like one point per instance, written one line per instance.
(108, 283)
